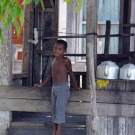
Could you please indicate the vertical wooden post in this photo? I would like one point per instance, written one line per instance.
(107, 37)
(50, 29)
(121, 26)
(91, 51)
(36, 57)
(5, 74)
(26, 37)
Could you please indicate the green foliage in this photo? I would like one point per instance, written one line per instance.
(1, 37)
(10, 11)
(79, 4)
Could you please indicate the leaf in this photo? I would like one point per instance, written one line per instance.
(17, 26)
(68, 1)
(27, 2)
(8, 23)
(16, 11)
(36, 2)
(2, 2)
(42, 4)
(1, 37)
(21, 16)
(79, 5)
(4, 6)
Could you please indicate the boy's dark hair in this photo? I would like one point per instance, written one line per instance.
(64, 43)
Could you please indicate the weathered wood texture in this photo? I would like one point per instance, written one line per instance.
(35, 105)
(42, 131)
(116, 125)
(47, 25)
(107, 38)
(91, 53)
(120, 49)
(36, 59)
(50, 20)
(98, 36)
(26, 37)
(36, 100)
(103, 96)
(31, 47)
(126, 16)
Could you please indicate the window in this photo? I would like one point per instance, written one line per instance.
(107, 10)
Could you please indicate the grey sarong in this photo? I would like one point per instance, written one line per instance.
(59, 98)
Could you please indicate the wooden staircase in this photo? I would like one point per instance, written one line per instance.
(40, 124)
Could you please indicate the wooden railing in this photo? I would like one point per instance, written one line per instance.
(17, 78)
(30, 99)
(80, 79)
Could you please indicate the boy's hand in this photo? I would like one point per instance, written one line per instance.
(78, 88)
(38, 85)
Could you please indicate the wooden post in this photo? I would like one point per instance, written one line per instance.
(5, 75)
(121, 26)
(26, 44)
(107, 38)
(91, 43)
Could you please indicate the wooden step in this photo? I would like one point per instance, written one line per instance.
(47, 124)
(43, 131)
(45, 117)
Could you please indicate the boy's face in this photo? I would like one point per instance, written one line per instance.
(58, 50)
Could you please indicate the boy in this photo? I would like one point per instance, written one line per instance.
(60, 90)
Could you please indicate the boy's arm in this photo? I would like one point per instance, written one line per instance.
(69, 67)
(47, 80)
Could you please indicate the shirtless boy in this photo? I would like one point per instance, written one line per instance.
(60, 68)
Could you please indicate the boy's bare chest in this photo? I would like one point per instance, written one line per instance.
(58, 66)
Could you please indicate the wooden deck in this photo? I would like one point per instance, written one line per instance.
(26, 123)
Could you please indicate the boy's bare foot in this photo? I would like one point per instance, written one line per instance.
(58, 132)
(53, 133)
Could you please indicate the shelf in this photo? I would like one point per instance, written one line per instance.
(19, 75)
(115, 55)
(116, 80)
(50, 53)
(129, 25)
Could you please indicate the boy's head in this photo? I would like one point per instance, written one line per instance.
(60, 48)
(62, 42)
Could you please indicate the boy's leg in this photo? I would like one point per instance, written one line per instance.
(54, 129)
(61, 102)
(53, 100)
(59, 129)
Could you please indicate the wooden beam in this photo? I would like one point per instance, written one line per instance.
(84, 36)
(20, 75)
(107, 38)
(47, 10)
(26, 47)
(103, 96)
(52, 3)
(120, 49)
(129, 25)
(35, 105)
(50, 53)
(91, 53)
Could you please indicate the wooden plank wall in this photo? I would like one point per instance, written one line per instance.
(124, 46)
(50, 27)
(47, 25)
(28, 99)
(108, 125)
(119, 125)
(26, 45)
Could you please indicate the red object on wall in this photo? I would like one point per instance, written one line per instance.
(15, 39)
(19, 55)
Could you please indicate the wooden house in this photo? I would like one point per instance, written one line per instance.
(109, 111)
